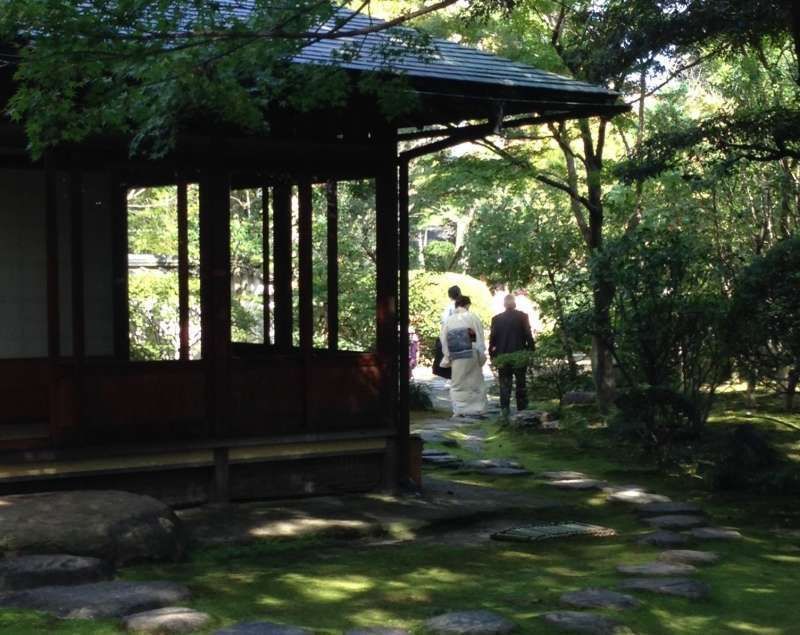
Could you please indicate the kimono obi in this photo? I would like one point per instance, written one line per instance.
(459, 343)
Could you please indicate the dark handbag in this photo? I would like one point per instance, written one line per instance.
(438, 356)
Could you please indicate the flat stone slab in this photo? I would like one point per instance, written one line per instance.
(441, 459)
(98, 600)
(661, 508)
(657, 568)
(580, 622)
(170, 619)
(262, 628)
(578, 484)
(116, 526)
(27, 572)
(430, 436)
(714, 533)
(680, 587)
(599, 599)
(636, 497)
(495, 467)
(469, 623)
(663, 538)
(675, 521)
(536, 533)
(688, 556)
(561, 475)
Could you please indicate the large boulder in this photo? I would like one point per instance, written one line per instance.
(116, 526)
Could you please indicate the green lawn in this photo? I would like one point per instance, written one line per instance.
(329, 586)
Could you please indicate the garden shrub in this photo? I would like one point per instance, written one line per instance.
(766, 318)
(419, 397)
(746, 453)
(439, 255)
(428, 298)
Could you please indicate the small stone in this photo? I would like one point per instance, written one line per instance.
(488, 463)
(562, 475)
(675, 521)
(578, 484)
(688, 556)
(660, 508)
(635, 497)
(578, 622)
(99, 600)
(714, 533)
(27, 572)
(167, 620)
(599, 599)
(680, 587)
(262, 628)
(663, 539)
(657, 568)
(469, 623)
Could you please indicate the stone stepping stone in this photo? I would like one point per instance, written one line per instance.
(714, 533)
(635, 497)
(675, 521)
(28, 572)
(579, 484)
(469, 623)
(599, 599)
(377, 631)
(657, 568)
(661, 508)
(663, 538)
(688, 556)
(98, 600)
(562, 475)
(262, 628)
(579, 622)
(536, 533)
(442, 459)
(496, 467)
(170, 619)
(680, 587)
(430, 436)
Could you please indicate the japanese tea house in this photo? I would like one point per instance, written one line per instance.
(288, 416)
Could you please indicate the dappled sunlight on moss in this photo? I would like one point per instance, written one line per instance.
(782, 558)
(746, 627)
(327, 589)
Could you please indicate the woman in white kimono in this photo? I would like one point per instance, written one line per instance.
(464, 351)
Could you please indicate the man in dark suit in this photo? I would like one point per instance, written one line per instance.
(511, 332)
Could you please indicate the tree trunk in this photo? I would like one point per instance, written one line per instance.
(791, 387)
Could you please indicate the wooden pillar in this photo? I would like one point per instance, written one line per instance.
(119, 266)
(306, 290)
(332, 197)
(77, 261)
(51, 224)
(404, 421)
(183, 271)
(282, 247)
(386, 204)
(215, 286)
(265, 252)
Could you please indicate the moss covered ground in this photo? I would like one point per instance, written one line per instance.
(330, 586)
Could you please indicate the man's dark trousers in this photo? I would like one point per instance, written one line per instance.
(506, 375)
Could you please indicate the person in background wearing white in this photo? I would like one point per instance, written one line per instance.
(464, 351)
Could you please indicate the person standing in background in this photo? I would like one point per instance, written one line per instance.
(464, 350)
(453, 293)
(510, 333)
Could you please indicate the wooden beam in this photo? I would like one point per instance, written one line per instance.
(265, 251)
(215, 285)
(404, 421)
(282, 246)
(77, 261)
(386, 204)
(183, 270)
(119, 265)
(332, 197)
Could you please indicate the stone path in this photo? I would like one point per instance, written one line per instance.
(578, 622)
(469, 623)
(168, 620)
(27, 572)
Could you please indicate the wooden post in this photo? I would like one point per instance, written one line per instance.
(306, 290)
(119, 266)
(77, 260)
(215, 284)
(282, 247)
(332, 196)
(183, 271)
(404, 421)
(53, 298)
(265, 251)
(386, 204)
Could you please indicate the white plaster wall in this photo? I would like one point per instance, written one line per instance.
(23, 272)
